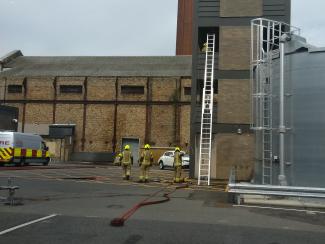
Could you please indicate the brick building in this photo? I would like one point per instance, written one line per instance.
(110, 99)
(151, 99)
(229, 20)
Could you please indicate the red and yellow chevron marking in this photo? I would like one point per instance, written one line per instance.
(6, 154)
(30, 153)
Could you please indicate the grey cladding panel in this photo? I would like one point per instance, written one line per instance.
(208, 8)
(274, 8)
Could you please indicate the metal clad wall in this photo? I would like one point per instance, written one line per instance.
(309, 118)
(208, 8)
(277, 10)
(305, 72)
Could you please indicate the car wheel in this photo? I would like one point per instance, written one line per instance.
(161, 165)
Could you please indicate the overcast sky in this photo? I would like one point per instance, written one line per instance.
(113, 27)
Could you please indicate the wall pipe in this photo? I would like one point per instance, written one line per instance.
(282, 129)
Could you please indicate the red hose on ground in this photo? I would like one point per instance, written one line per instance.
(120, 221)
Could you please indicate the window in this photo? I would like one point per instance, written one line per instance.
(200, 86)
(202, 36)
(15, 88)
(187, 91)
(70, 89)
(132, 89)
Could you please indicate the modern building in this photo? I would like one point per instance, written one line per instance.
(229, 20)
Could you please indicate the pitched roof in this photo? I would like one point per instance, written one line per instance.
(97, 66)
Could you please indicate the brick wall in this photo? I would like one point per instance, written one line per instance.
(71, 114)
(163, 89)
(38, 117)
(101, 88)
(99, 128)
(38, 113)
(132, 81)
(131, 120)
(240, 8)
(185, 83)
(234, 101)
(2, 88)
(234, 51)
(40, 88)
(14, 81)
(235, 150)
(70, 81)
(163, 125)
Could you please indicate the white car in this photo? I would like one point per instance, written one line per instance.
(167, 160)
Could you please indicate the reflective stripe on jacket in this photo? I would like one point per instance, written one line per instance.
(126, 158)
(177, 159)
(147, 157)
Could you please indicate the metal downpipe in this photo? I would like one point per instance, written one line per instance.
(282, 129)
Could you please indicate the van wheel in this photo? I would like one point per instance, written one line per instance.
(20, 163)
(46, 162)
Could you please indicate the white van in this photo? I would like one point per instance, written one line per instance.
(22, 149)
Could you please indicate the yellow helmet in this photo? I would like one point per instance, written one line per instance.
(127, 147)
(177, 149)
(147, 146)
(120, 155)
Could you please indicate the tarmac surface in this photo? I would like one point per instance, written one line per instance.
(75, 203)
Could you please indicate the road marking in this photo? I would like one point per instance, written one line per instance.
(283, 209)
(26, 224)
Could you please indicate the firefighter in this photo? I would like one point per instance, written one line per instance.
(178, 165)
(126, 161)
(117, 160)
(204, 47)
(146, 161)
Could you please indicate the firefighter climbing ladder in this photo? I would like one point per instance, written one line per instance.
(206, 114)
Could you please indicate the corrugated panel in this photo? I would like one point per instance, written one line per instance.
(274, 8)
(208, 8)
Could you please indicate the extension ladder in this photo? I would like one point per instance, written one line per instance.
(206, 114)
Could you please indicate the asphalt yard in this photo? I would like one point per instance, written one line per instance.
(75, 203)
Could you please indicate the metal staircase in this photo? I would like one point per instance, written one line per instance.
(206, 114)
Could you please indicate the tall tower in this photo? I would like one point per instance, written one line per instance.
(184, 27)
(229, 20)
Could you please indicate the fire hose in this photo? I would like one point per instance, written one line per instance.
(120, 220)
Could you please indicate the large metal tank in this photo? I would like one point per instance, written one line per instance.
(304, 78)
